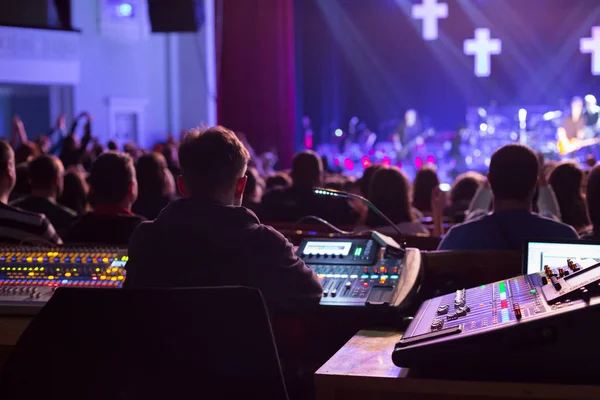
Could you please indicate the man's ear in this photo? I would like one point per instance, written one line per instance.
(181, 186)
(240, 186)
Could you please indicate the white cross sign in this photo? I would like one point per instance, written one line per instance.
(592, 46)
(430, 11)
(483, 47)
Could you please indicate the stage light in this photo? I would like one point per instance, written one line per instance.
(469, 160)
(336, 162)
(487, 162)
(338, 133)
(366, 162)
(386, 161)
(483, 127)
(477, 152)
(514, 136)
(418, 162)
(430, 160)
(590, 99)
(481, 112)
(124, 10)
(552, 115)
(348, 164)
(522, 115)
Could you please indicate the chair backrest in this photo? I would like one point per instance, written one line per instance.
(445, 271)
(147, 344)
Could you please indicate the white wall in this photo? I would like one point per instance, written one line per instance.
(192, 80)
(111, 68)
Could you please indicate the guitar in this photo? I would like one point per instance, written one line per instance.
(568, 146)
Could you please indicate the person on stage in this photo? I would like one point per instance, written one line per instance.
(592, 116)
(407, 131)
(572, 129)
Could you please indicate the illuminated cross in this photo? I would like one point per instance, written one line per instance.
(592, 46)
(430, 11)
(482, 47)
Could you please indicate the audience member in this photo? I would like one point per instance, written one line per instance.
(566, 180)
(46, 176)
(254, 190)
(513, 176)
(389, 191)
(290, 205)
(593, 203)
(423, 185)
(210, 240)
(22, 186)
(75, 192)
(462, 192)
(279, 180)
(113, 190)
(72, 150)
(544, 200)
(16, 225)
(156, 186)
(365, 181)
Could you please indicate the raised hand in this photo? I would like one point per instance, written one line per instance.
(61, 123)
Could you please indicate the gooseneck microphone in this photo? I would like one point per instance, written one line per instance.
(339, 193)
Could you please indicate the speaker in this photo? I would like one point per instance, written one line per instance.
(63, 11)
(176, 15)
(54, 14)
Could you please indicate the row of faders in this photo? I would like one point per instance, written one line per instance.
(30, 275)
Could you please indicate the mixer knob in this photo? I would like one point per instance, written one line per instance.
(333, 293)
(437, 324)
(443, 309)
(348, 284)
(325, 293)
(38, 295)
(318, 255)
(544, 281)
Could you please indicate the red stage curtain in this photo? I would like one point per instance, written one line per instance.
(255, 46)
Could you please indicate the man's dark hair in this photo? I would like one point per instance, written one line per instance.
(212, 160)
(43, 171)
(513, 172)
(307, 169)
(150, 170)
(365, 181)
(425, 181)
(593, 197)
(110, 177)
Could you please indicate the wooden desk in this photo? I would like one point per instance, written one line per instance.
(363, 369)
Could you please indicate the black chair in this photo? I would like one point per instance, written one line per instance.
(198, 343)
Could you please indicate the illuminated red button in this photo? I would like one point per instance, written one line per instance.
(504, 304)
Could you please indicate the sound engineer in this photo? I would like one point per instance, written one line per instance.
(208, 239)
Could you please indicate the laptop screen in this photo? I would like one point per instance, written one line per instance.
(555, 254)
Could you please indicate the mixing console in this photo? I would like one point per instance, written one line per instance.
(352, 273)
(30, 275)
(513, 319)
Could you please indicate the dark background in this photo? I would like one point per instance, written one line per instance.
(367, 58)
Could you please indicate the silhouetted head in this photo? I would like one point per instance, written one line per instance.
(46, 175)
(113, 180)
(425, 181)
(513, 173)
(389, 191)
(566, 179)
(153, 176)
(593, 198)
(213, 165)
(307, 170)
(8, 174)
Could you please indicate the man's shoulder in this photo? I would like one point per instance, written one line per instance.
(12, 212)
(548, 223)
